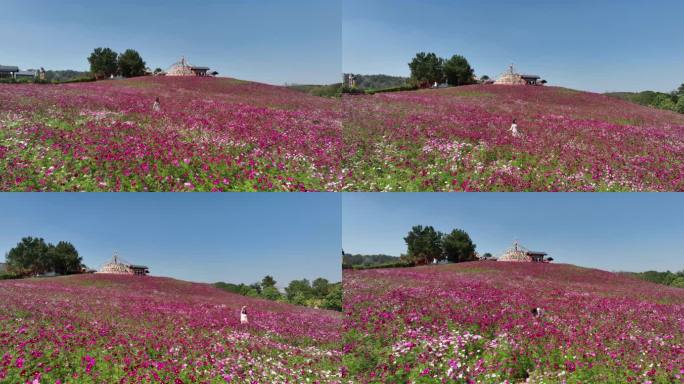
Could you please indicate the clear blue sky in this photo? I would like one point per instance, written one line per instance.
(236, 237)
(271, 41)
(598, 45)
(611, 231)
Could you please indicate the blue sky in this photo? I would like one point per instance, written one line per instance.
(272, 41)
(597, 45)
(611, 231)
(236, 237)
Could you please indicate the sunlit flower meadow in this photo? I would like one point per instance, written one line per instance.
(459, 139)
(472, 323)
(209, 135)
(131, 329)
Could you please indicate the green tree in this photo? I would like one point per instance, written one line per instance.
(333, 300)
(103, 62)
(271, 293)
(678, 282)
(29, 257)
(320, 287)
(426, 68)
(458, 246)
(64, 258)
(131, 64)
(487, 255)
(458, 71)
(424, 244)
(680, 90)
(298, 288)
(484, 78)
(680, 104)
(664, 101)
(268, 281)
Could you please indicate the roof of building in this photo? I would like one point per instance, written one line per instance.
(138, 266)
(26, 73)
(8, 68)
(530, 76)
(200, 68)
(537, 253)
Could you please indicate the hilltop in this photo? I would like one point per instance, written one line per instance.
(473, 321)
(458, 139)
(103, 328)
(210, 134)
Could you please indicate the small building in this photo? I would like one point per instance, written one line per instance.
(117, 266)
(184, 68)
(518, 253)
(511, 77)
(8, 71)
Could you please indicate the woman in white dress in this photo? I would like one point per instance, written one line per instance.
(156, 106)
(514, 129)
(243, 315)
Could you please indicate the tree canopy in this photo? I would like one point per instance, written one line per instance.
(32, 255)
(458, 246)
(131, 64)
(103, 62)
(426, 68)
(424, 244)
(458, 71)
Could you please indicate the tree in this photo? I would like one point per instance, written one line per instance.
(320, 287)
(271, 293)
(268, 281)
(333, 300)
(426, 68)
(484, 78)
(487, 255)
(664, 101)
(29, 257)
(65, 259)
(458, 71)
(680, 90)
(158, 70)
(300, 289)
(423, 244)
(458, 246)
(131, 64)
(680, 104)
(103, 62)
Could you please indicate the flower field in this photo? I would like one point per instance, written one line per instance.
(472, 323)
(459, 139)
(210, 135)
(130, 329)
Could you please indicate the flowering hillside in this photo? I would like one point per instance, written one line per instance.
(459, 139)
(209, 134)
(131, 329)
(472, 323)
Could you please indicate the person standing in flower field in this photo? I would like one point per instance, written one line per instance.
(243, 315)
(514, 129)
(156, 106)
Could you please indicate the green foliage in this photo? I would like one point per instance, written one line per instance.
(379, 82)
(458, 246)
(103, 62)
(458, 71)
(426, 68)
(367, 260)
(673, 101)
(33, 256)
(424, 244)
(333, 300)
(329, 90)
(395, 264)
(131, 64)
(680, 104)
(675, 279)
(319, 294)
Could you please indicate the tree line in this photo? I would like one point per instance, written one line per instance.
(319, 293)
(672, 279)
(105, 62)
(673, 101)
(426, 245)
(428, 68)
(33, 256)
